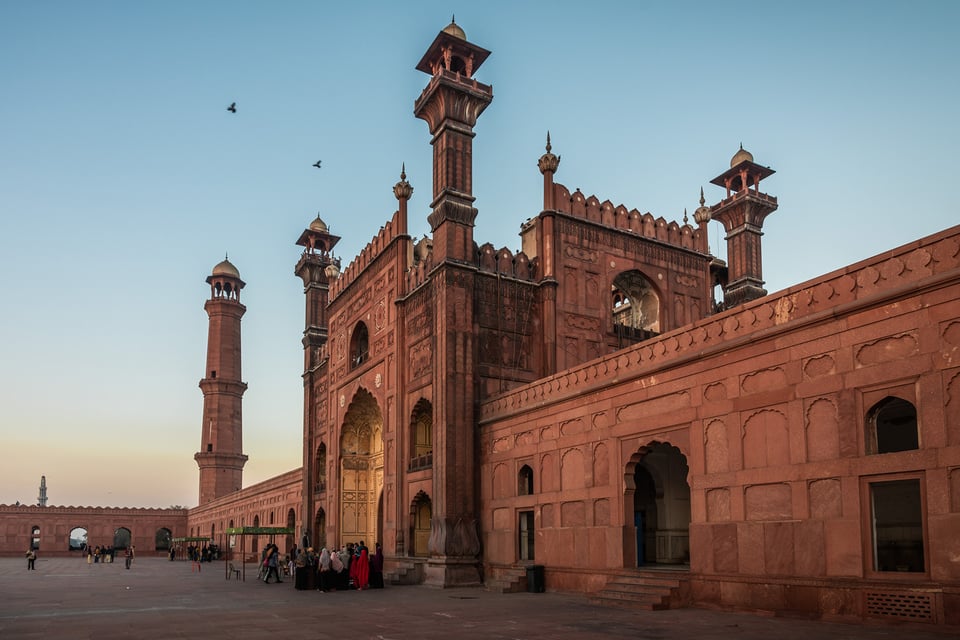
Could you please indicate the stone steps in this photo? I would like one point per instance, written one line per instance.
(513, 580)
(646, 590)
(406, 573)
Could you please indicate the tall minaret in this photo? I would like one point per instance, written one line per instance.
(451, 103)
(221, 456)
(42, 498)
(742, 213)
(317, 267)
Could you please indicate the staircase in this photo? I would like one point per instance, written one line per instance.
(507, 580)
(648, 590)
(407, 573)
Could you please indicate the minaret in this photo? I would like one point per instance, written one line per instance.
(317, 268)
(221, 456)
(450, 104)
(42, 498)
(742, 213)
(547, 247)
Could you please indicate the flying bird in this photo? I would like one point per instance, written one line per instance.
(317, 164)
(232, 108)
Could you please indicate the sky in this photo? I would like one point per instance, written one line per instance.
(124, 179)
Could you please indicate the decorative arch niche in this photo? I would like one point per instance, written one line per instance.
(361, 468)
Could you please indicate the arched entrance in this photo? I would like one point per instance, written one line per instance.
(361, 469)
(658, 498)
(421, 512)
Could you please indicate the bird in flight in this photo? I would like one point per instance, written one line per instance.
(317, 164)
(232, 108)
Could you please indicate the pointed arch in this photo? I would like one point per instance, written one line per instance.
(360, 468)
(657, 504)
(359, 345)
(421, 513)
(421, 435)
(635, 308)
(892, 426)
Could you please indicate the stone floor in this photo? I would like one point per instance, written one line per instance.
(66, 598)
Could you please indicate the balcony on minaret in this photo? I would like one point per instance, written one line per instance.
(742, 180)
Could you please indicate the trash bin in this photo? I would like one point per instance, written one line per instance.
(535, 578)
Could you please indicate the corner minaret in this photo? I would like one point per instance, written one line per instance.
(317, 267)
(450, 104)
(741, 213)
(221, 456)
(42, 498)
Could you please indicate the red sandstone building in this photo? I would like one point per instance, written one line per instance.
(613, 403)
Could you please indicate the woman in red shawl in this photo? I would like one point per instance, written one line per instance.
(363, 570)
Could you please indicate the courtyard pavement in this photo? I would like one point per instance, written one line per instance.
(66, 598)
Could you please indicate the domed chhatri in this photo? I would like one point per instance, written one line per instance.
(454, 29)
(741, 156)
(319, 225)
(226, 268)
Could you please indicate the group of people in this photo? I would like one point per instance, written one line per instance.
(350, 567)
(99, 554)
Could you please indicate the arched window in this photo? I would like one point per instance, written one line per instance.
(359, 345)
(321, 468)
(421, 436)
(635, 308)
(35, 537)
(525, 479)
(892, 426)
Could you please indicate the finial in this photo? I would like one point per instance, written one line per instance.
(702, 200)
(226, 256)
(402, 190)
(684, 215)
(453, 18)
(741, 146)
(548, 161)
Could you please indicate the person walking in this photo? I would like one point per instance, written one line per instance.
(128, 556)
(272, 564)
(31, 560)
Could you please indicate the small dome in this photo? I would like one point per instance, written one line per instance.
(740, 156)
(226, 268)
(319, 225)
(454, 30)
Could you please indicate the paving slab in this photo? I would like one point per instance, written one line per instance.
(67, 598)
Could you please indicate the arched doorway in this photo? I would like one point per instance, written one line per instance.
(421, 512)
(657, 497)
(361, 469)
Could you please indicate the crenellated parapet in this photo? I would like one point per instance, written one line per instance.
(384, 238)
(928, 263)
(503, 262)
(605, 213)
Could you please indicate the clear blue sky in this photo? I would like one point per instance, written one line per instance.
(123, 179)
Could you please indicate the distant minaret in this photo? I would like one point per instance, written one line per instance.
(221, 456)
(742, 213)
(42, 499)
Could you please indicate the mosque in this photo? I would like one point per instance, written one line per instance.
(612, 410)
